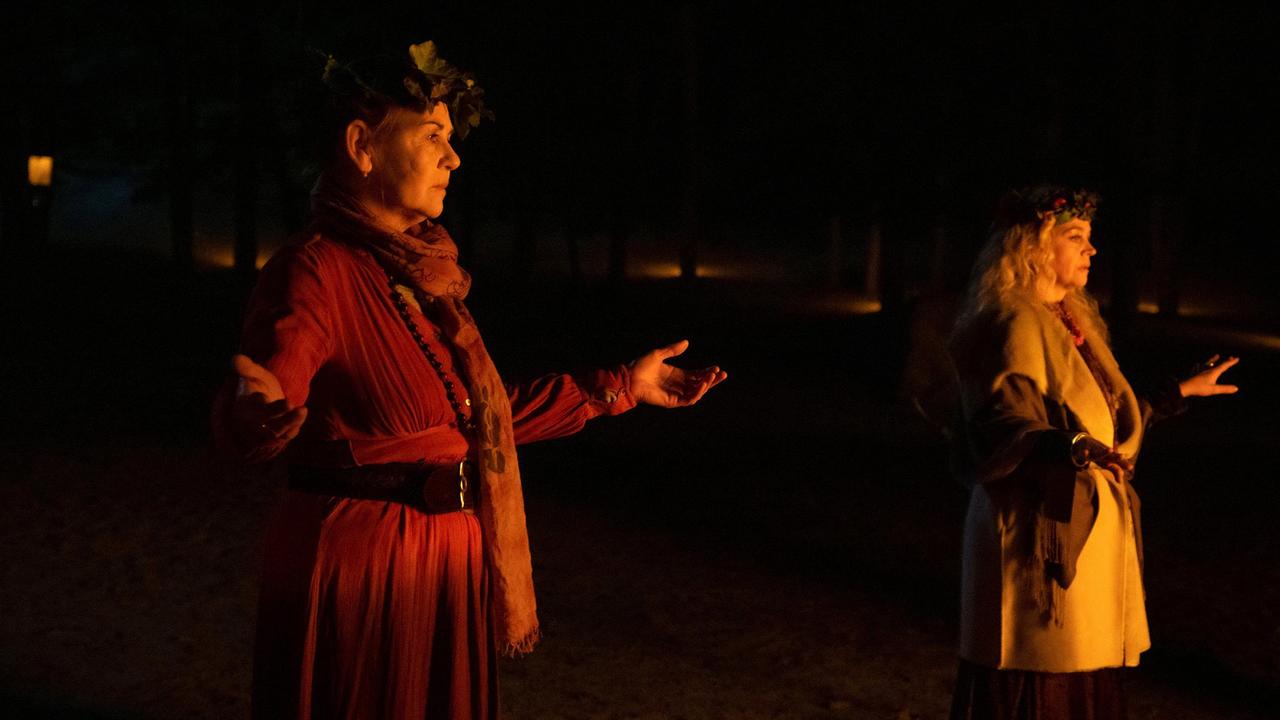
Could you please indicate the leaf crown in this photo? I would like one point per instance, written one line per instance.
(419, 78)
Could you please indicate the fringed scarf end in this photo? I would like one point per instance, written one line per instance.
(1046, 563)
(524, 646)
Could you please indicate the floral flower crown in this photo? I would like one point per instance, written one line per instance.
(1035, 204)
(420, 77)
(1063, 204)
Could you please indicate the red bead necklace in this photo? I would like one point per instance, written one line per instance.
(1077, 335)
(1091, 361)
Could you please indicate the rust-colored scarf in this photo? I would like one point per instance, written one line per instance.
(425, 259)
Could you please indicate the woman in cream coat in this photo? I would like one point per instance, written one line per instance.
(1052, 603)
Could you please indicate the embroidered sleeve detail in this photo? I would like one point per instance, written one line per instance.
(608, 391)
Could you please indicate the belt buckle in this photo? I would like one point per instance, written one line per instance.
(462, 484)
(437, 487)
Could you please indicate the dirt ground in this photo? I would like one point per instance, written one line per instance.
(788, 549)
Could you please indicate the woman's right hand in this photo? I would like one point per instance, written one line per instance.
(261, 412)
(1087, 449)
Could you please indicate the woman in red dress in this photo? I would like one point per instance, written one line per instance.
(397, 566)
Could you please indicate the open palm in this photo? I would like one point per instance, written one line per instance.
(654, 382)
(1205, 383)
(260, 408)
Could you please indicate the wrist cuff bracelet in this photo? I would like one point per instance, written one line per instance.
(1077, 457)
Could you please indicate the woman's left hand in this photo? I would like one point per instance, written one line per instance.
(655, 382)
(1205, 382)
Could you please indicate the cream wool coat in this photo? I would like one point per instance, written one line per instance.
(1103, 620)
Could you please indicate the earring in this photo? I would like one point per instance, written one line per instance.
(365, 174)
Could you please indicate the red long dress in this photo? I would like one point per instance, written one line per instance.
(368, 608)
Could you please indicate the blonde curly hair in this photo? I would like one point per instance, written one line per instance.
(1015, 262)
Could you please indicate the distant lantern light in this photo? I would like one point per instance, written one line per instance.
(40, 170)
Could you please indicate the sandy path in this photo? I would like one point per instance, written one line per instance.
(129, 578)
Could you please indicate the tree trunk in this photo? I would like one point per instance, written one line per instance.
(13, 180)
(618, 231)
(689, 236)
(574, 233)
(16, 87)
(1167, 223)
(181, 171)
(871, 285)
(835, 252)
(249, 116)
(622, 206)
(287, 188)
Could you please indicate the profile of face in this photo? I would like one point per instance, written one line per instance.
(1072, 255)
(407, 162)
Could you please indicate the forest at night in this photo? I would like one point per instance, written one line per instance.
(799, 190)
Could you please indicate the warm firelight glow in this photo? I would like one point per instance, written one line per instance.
(1186, 308)
(862, 306)
(668, 270)
(1242, 338)
(737, 270)
(40, 170)
(846, 304)
(655, 270)
(721, 272)
(1195, 309)
(223, 257)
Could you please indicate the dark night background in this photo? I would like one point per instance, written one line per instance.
(821, 178)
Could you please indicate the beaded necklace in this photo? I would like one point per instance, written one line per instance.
(1091, 360)
(402, 305)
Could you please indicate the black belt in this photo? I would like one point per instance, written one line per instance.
(430, 488)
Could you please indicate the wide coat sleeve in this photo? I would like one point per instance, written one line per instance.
(1161, 400)
(1011, 430)
(1010, 438)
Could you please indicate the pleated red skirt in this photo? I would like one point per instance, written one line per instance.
(984, 693)
(373, 610)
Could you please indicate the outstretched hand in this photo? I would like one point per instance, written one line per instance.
(654, 382)
(260, 409)
(1205, 382)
